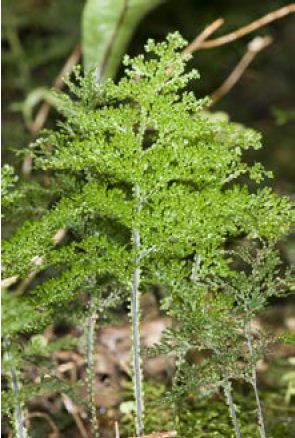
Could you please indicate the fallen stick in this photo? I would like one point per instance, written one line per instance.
(44, 109)
(55, 432)
(254, 47)
(171, 434)
(37, 261)
(248, 28)
(197, 42)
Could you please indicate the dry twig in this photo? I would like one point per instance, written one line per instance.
(117, 431)
(74, 411)
(55, 432)
(34, 128)
(160, 435)
(198, 41)
(254, 47)
(9, 281)
(249, 28)
(58, 83)
(43, 112)
(37, 261)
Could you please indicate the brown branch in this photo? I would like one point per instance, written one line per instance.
(198, 41)
(34, 128)
(160, 435)
(55, 432)
(117, 431)
(44, 109)
(251, 27)
(254, 47)
(195, 44)
(58, 83)
(9, 281)
(74, 411)
(37, 261)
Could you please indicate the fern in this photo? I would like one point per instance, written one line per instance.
(213, 316)
(157, 190)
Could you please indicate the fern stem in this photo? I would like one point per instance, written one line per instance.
(254, 382)
(178, 363)
(90, 366)
(19, 422)
(232, 410)
(135, 319)
(135, 315)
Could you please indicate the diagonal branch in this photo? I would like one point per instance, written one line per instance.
(160, 435)
(251, 27)
(36, 260)
(74, 411)
(55, 432)
(198, 41)
(254, 47)
(58, 83)
(44, 109)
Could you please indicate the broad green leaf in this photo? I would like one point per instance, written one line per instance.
(107, 27)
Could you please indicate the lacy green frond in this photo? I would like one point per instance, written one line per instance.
(150, 194)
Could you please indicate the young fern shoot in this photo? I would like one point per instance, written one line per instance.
(251, 292)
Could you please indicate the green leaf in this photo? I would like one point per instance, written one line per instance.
(107, 27)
